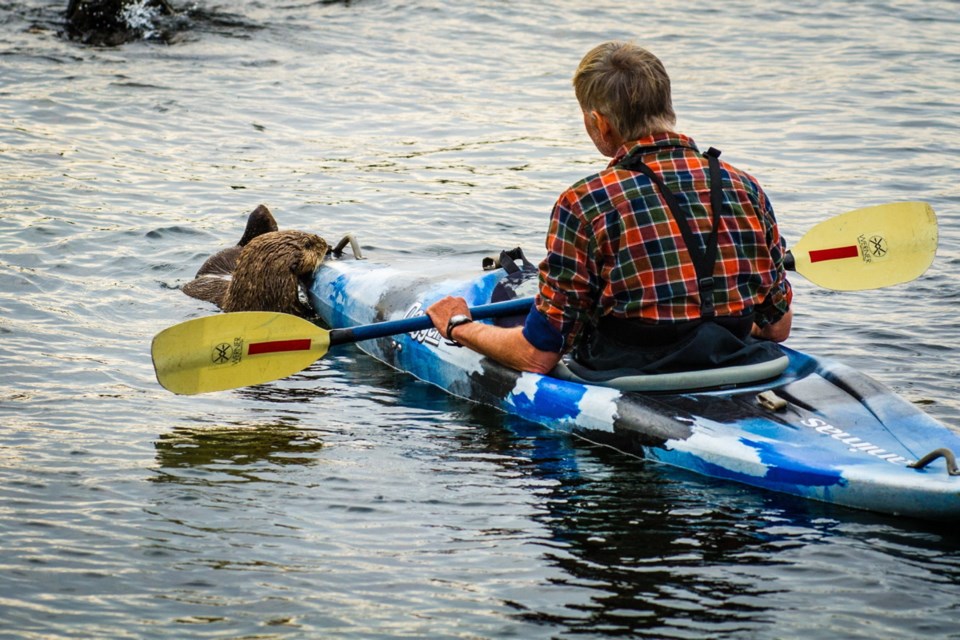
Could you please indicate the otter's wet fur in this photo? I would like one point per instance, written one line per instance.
(269, 270)
(213, 277)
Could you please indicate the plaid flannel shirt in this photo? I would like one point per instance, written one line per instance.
(614, 248)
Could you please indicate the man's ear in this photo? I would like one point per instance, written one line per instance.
(603, 123)
(605, 128)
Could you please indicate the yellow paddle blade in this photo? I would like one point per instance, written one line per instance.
(235, 350)
(869, 248)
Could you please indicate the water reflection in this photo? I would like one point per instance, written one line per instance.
(659, 548)
(232, 453)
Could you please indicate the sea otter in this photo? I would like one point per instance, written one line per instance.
(263, 271)
(113, 22)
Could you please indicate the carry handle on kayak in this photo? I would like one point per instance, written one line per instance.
(862, 249)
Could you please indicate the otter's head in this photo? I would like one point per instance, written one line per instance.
(270, 269)
(312, 249)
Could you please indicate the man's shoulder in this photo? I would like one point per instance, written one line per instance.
(590, 194)
(592, 182)
(742, 179)
(600, 182)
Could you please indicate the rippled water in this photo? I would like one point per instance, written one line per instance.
(351, 501)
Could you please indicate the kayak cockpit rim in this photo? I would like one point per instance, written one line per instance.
(719, 378)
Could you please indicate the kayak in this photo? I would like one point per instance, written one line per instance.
(818, 429)
(798, 424)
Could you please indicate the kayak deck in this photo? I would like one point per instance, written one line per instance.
(831, 433)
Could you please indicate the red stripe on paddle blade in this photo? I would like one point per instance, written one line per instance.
(838, 253)
(278, 346)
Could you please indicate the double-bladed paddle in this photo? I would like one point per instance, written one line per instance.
(863, 249)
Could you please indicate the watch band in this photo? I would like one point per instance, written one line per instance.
(456, 321)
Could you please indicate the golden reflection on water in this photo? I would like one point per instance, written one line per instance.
(239, 452)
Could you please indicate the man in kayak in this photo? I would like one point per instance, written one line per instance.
(667, 260)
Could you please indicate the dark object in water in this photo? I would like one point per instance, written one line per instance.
(113, 22)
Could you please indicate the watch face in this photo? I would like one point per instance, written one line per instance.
(456, 321)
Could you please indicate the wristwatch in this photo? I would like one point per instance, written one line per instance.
(456, 321)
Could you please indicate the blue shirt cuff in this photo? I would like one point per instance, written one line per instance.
(540, 333)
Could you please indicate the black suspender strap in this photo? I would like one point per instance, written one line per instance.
(703, 259)
(710, 255)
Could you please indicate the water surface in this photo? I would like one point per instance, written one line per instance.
(352, 501)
